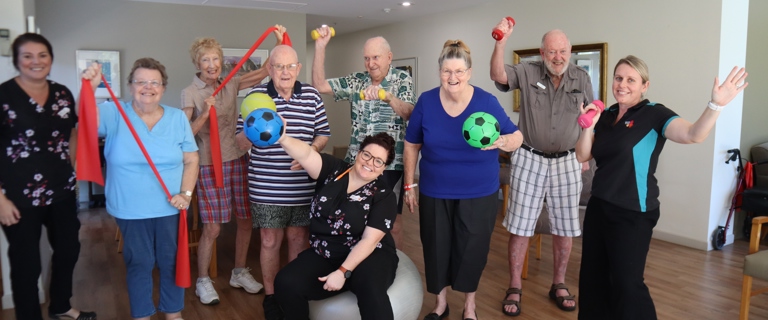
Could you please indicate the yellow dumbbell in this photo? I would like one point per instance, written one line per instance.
(382, 94)
(316, 35)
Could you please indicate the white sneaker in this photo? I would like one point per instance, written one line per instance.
(245, 280)
(204, 289)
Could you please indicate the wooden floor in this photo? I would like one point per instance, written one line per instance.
(685, 283)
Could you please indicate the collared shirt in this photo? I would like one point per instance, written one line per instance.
(227, 112)
(370, 117)
(548, 115)
(270, 178)
(626, 153)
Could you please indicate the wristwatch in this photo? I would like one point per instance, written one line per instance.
(188, 193)
(347, 273)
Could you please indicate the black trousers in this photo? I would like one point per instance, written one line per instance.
(60, 219)
(614, 250)
(297, 283)
(456, 238)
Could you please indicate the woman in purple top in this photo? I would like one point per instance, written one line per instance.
(458, 183)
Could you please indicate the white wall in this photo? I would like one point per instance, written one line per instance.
(753, 129)
(682, 51)
(12, 18)
(733, 51)
(161, 31)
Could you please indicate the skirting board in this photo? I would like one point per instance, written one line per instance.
(688, 242)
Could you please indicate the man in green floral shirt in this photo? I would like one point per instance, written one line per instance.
(370, 114)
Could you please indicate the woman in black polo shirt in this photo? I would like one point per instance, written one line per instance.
(626, 142)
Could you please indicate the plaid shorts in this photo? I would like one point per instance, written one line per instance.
(279, 217)
(216, 204)
(534, 177)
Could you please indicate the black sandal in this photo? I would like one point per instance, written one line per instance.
(515, 303)
(84, 315)
(560, 299)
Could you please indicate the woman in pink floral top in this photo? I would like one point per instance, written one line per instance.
(351, 248)
(37, 119)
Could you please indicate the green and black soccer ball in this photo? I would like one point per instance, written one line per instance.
(480, 129)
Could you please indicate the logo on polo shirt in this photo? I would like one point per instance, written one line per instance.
(629, 123)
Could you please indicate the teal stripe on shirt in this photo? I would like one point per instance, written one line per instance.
(641, 153)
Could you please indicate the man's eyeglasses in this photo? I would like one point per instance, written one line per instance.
(152, 83)
(367, 156)
(281, 67)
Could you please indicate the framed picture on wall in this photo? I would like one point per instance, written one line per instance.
(586, 64)
(254, 62)
(409, 65)
(110, 68)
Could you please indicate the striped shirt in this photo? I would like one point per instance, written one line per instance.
(270, 178)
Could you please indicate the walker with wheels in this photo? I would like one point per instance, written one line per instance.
(753, 201)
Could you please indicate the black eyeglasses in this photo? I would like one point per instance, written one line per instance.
(367, 156)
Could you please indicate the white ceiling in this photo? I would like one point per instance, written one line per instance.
(345, 16)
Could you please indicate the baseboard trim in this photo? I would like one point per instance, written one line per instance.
(688, 242)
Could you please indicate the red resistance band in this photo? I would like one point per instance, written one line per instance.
(182, 250)
(218, 172)
(88, 138)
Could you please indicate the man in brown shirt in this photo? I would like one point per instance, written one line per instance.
(551, 92)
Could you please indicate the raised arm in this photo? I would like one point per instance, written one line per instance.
(401, 108)
(587, 137)
(201, 119)
(93, 75)
(300, 151)
(319, 80)
(255, 77)
(498, 74)
(682, 131)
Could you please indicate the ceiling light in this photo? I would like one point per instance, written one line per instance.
(406, 4)
(323, 26)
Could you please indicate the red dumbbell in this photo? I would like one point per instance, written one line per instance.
(497, 34)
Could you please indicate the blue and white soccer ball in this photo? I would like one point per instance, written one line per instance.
(263, 127)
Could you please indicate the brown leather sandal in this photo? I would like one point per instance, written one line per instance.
(515, 303)
(560, 299)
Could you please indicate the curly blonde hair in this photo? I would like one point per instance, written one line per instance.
(201, 45)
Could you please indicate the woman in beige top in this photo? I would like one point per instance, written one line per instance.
(217, 204)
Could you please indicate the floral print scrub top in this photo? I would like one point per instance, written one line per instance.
(338, 218)
(35, 167)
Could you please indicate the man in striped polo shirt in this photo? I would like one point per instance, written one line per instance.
(279, 189)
